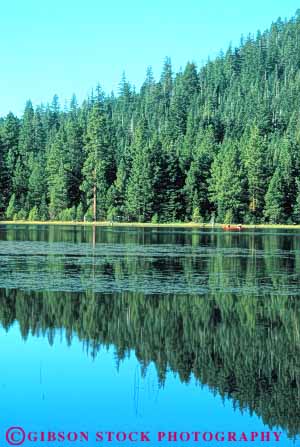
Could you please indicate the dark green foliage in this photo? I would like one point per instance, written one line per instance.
(253, 154)
(296, 210)
(57, 174)
(198, 175)
(116, 195)
(227, 184)
(221, 140)
(139, 194)
(275, 199)
(97, 167)
(9, 137)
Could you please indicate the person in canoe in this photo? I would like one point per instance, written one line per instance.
(230, 227)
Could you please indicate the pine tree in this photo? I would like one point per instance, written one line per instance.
(198, 175)
(116, 195)
(139, 194)
(252, 150)
(20, 185)
(296, 208)
(5, 180)
(57, 170)
(191, 189)
(98, 161)
(11, 211)
(75, 158)
(37, 184)
(172, 203)
(26, 148)
(9, 154)
(274, 208)
(227, 185)
(58, 194)
(166, 86)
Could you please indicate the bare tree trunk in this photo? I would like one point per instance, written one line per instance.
(95, 200)
(94, 244)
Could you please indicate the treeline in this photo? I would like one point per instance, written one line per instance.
(217, 143)
(244, 348)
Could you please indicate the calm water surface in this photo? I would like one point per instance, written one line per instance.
(123, 329)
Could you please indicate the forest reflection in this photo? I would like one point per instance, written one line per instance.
(244, 348)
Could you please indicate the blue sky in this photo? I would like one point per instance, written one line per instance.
(68, 46)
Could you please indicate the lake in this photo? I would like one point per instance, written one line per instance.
(158, 330)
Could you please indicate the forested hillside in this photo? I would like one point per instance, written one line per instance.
(221, 142)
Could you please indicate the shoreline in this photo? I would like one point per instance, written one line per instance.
(147, 225)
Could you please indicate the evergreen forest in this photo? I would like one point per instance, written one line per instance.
(220, 142)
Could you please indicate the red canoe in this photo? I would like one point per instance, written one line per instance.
(232, 227)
